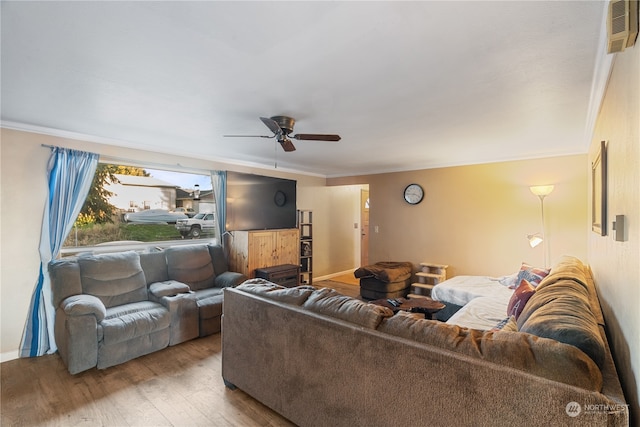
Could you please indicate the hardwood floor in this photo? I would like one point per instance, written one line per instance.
(178, 386)
(348, 278)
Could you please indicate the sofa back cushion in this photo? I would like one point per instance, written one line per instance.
(331, 303)
(539, 356)
(295, 296)
(115, 279)
(218, 259)
(65, 279)
(561, 311)
(191, 265)
(154, 265)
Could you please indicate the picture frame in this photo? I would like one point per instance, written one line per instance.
(599, 191)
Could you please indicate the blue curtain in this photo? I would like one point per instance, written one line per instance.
(219, 181)
(70, 175)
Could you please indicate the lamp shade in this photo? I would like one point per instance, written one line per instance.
(534, 239)
(541, 190)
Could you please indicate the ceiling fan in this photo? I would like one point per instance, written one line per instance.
(282, 126)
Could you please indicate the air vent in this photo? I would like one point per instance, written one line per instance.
(622, 25)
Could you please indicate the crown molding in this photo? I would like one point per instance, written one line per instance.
(601, 73)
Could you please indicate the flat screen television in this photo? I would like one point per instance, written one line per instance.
(256, 202)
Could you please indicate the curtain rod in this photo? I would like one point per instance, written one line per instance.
(111, 159)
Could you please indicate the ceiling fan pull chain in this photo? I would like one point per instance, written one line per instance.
(275, 150)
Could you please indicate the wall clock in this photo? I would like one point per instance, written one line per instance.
(413, 194)
(280, 198)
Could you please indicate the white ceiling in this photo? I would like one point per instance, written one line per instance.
(408, 85)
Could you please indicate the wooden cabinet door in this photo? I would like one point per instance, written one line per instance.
(288, 250)
(262, 250)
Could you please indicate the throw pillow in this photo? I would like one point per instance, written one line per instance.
(508, 324)
(533, 275)
(519, 298)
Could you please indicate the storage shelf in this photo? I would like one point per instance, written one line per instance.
(305, 225)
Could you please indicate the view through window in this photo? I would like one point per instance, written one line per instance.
(133, 206)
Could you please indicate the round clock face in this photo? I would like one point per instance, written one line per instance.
(279, 198)
(413, 194)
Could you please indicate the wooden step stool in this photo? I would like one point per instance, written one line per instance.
(430, 274)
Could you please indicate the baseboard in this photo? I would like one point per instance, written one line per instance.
(329, 276)
(9, 355)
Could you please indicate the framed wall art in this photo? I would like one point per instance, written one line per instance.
(599, 191)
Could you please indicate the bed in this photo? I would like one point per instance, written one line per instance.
(477, 302)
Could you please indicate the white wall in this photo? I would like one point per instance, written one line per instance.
(616, 265)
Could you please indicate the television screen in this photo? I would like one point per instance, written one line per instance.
(256, 202)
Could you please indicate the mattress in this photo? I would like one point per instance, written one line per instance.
(482, 313)
(460, 290)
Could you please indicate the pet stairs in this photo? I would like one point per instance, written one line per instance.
(430, 274)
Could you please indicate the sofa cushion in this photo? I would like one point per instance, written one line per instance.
(561, 311)
(296, 295)
(129, 321)
(114, 278)
(331, 303)
(229, 279)
(519, 298)
(538, 356)
(191, 265)
(154, 265)
(218, 259)
(65, 279)
(209, 304)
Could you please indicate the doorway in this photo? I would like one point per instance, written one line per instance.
(364, 227)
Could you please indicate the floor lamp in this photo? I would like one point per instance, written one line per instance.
(541, 191)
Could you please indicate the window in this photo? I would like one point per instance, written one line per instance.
(134, 207)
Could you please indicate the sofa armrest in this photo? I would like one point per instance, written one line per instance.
(76, 331)
(229, 279)
(82, 305)
(167, 289)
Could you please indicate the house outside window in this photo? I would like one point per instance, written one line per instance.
(136, 208)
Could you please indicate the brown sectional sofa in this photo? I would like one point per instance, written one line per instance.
(111, 308)
(320, 358)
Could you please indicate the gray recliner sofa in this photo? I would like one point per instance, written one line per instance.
(111, 308)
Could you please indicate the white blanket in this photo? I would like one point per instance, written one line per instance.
(482, 313)
(460, 290)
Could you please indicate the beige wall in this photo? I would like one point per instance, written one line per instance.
(23, 188)
(476, 218)
(616, 265)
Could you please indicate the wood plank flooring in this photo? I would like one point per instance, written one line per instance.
(178, 386)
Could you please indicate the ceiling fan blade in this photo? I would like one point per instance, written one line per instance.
(248, 136)
(287, 145)
(316, 137)
(272, 125)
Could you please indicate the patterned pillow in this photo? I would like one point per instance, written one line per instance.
(533, 275)
(508, 324)
(519, 298)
